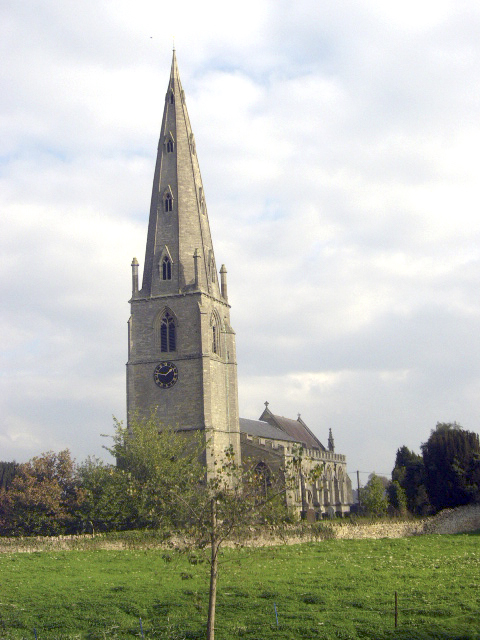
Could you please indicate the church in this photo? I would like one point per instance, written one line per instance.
(181, 345)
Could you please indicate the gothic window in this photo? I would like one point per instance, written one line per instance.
(341, 486)
(166, 268)
(168, 202)
(215, 324)
(167, 333)
(214, 339)
(172, 99)
(212, 272)
(201, 200)
(170, 146)
(263, 478)
(328, 487)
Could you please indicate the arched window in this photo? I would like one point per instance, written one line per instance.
(166, 268)
(215, 345)
(328, 487)
(263, 478)
(341, 486)
(170, 146)
(168, 202)
(215, 324)
(167, 334)
(212, 272)
(172, 99)
(203, 206)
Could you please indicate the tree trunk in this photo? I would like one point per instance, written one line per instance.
(213, 573)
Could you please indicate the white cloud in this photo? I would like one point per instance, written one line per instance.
(338, 147)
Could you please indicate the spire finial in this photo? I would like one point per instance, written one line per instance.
(266, 404)
(173, 39)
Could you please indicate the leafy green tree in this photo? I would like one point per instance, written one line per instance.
(373, 498)
(173, 480)
(236, 497)
(109, 503)
(397, 498)
(452, 464)
(155, 465)
(44, 497)
(409, 472)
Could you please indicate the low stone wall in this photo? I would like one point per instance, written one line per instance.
(336, 530)
(460, 520)
(380, 530)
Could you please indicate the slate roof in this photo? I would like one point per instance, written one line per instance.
(296, 429)
(263, 430)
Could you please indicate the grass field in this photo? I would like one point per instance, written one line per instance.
(330, 589)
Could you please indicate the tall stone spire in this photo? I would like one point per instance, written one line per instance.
(181, 345)
(178, 226)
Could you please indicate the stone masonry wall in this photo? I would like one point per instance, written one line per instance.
(460, 520)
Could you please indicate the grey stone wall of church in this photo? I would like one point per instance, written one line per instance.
(205, 395)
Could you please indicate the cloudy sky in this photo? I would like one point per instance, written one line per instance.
(339, 147)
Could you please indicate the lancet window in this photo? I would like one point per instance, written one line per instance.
(263, 477)
(170, 146)
(166, 268)
(168, 202)
(167, 333)
(215, 344)
(215, 324)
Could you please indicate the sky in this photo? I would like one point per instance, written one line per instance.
(339, 149)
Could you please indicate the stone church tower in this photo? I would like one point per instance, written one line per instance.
(181, 347)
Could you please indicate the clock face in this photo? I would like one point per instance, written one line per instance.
(165, 375)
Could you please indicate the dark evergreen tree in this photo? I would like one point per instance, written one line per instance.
(409, 472)
(7, 473)
(452, 464)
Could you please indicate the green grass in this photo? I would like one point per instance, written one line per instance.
(330, 589)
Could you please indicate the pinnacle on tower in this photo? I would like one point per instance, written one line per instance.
(331, 442)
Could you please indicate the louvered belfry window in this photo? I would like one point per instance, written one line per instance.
(167, 334)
